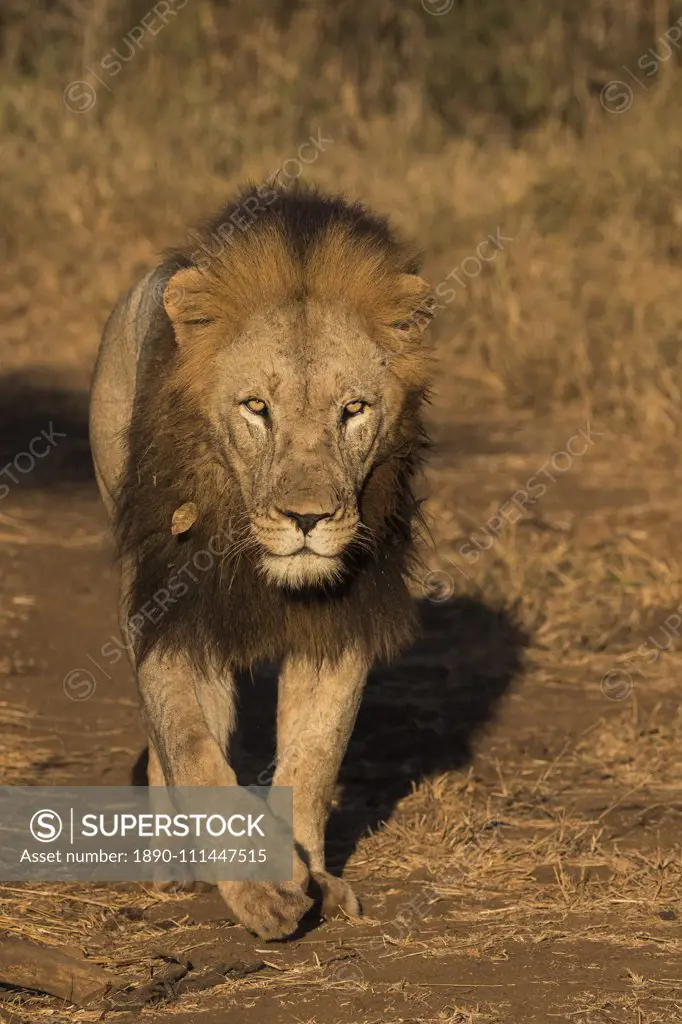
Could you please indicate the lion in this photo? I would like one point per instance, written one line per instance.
(266, 386)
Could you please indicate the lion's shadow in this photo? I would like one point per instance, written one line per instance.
(419, 717)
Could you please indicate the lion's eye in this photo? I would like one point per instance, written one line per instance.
(353, 409)
(256, 406)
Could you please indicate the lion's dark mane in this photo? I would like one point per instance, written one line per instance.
(230, 615)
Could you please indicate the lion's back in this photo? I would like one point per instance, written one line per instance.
(115, 379)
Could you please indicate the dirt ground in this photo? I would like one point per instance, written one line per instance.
(510, 809)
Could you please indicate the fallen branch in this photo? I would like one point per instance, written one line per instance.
(44, 969)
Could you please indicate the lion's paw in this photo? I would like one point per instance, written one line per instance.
(334, 895)
(272, 910)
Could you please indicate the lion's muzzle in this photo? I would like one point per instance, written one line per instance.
(302, 546)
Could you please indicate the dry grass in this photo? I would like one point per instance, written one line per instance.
(580, 306)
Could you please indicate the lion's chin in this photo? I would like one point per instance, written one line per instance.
(304, 569)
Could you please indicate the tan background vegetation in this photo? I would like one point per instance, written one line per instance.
(486, 116)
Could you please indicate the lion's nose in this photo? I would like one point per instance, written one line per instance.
(306, 520)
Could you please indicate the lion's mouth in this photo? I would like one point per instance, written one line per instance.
(302, 554)
(312, 547)
(302, 568)
(306, 549)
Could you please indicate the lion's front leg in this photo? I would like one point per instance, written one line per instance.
(205, 704)
(189, 718)
(316, 711)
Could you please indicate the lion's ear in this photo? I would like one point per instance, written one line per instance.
(184, 301)
(419, 295)
(413, 285)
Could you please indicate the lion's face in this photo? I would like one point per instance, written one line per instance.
(303, 405)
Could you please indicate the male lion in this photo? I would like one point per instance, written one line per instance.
(271, 382)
